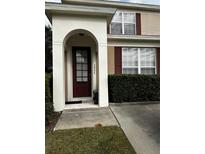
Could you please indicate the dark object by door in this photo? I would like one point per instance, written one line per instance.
(81, 71)
(95, 96)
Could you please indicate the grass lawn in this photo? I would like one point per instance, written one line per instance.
(102, 140)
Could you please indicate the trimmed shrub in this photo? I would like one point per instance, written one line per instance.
(48, 95)
(133, 88)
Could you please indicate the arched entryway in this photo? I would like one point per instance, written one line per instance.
(69, 34)
(81, 63)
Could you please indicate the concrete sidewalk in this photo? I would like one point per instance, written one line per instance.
(86, 118)
(141, 124)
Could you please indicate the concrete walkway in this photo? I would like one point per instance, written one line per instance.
(86, 118)
(141, 124)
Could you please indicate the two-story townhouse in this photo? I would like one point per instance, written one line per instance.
(94, 38)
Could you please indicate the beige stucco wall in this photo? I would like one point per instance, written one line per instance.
(111, 60)
(150, 23)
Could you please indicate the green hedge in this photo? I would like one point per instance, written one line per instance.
(48, 95)
(133, 88)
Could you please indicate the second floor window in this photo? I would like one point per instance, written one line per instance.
(123, 23)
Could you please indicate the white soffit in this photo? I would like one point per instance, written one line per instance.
(56, 8)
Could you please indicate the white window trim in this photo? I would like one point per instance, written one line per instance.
(139, 62)
(123, 23)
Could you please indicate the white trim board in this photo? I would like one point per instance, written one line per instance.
(80, 106)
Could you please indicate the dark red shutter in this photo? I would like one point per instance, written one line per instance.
(118, 60)
(138, 24)
(158, 61)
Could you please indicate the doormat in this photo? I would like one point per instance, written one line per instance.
(73, 102)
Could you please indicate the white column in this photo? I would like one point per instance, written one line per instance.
(103, 75)
(58, 76)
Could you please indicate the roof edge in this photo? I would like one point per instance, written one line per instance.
(112, 4)
(59, 8)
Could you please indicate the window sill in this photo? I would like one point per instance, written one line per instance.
(134, 37)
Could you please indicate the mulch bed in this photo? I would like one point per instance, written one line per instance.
(52, 120)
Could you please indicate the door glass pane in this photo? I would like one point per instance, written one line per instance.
(81, 66)
(85, 79)
(84, 59)
(85, 67)
(79, 79)
(78, 53)
(79, 73)
(78, 59)
(85, 73)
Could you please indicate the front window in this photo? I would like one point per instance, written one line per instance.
(123, 23)
(139, 61)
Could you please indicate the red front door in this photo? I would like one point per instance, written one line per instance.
(81, 71)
